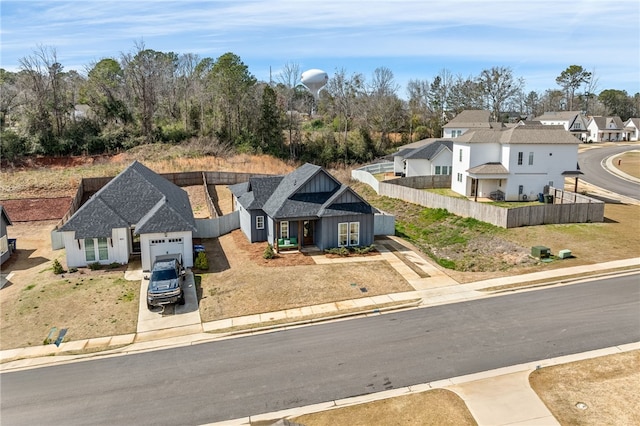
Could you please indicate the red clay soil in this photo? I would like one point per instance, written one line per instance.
(33, 209)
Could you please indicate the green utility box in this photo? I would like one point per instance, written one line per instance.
(564, 254)
(540, 251)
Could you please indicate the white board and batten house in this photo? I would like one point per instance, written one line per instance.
(137, 212)
(513, 164)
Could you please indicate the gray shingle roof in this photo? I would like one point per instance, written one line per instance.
(604, 122)
(558, 115)
(520, 135)
(137, 196)
(279, 196)
(429, 151)
(470, 119)
(489, 169)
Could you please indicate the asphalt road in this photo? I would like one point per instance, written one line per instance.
(250, 375)
(591, 164)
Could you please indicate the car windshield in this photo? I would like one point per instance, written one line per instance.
(164, 274)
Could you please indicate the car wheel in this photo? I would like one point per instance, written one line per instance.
(150, 307)
(181, 300)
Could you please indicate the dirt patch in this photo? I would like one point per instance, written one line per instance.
(36, 209)
(198, 200)
(598, 391)
(436, 407)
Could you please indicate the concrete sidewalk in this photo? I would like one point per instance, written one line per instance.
(496, 397)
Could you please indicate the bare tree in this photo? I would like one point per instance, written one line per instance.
(498, 86)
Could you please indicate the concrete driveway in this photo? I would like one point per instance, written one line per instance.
(172, 319)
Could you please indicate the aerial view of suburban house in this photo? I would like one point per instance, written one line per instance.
(469, 119)
(513, 164)
(307, 207)
(605, 129)
(5, 248)
(632, 129)
(574, 122)
(137, 212)
(433, 158)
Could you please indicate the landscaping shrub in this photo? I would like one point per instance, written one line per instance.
(57, 268)
(268, 252)
(94, 266)
(202, 262)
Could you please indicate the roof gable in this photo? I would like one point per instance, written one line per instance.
(5, 216)
(470, 119)
(429, 151)
(128, 198)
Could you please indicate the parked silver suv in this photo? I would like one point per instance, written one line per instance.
(165, 283)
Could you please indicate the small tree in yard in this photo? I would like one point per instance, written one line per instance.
(202, 262)
(57, 267)
(268, 252)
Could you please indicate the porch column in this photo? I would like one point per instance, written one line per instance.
(300, 234)
(276, 236)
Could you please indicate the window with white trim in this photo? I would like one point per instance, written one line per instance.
(343, 230)
(460, 155)
(438, 170)
(459, 177)
(103, 249)
(354, 233)
(284, 229)
(531, 158)
(89, 250)
(259, 222)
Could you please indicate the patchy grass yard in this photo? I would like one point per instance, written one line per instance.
(436, 407)
(241, 282)
(471, 250)
(607, 386)
(629, 163)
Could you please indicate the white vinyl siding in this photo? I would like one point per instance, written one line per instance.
(103, 249)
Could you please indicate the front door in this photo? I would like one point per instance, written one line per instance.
(307, 232)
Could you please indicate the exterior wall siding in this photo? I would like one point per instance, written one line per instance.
(187, 247)
(117, 248)
(327, 230)
(320, 183)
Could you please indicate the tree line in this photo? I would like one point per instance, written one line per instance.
(147, 96)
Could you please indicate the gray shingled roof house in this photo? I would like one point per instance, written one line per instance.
(469, 119)
(138, 211)
(307, 207)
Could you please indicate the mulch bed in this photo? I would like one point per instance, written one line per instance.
(34, 209)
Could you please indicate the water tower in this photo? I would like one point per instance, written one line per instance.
(314, 80)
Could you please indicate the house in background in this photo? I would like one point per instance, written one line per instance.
(307, 207)
(574, 122)
(605, 129)
(137, 212)
(470, 119)
(632, 129)
(433, 158)
(6, 249)
(513, 164)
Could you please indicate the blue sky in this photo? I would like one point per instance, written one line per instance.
(537, 39)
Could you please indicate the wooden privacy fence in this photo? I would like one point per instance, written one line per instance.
(567, 207)
(207, 228)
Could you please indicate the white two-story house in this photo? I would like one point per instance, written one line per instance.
(513, 164)
(574, 122)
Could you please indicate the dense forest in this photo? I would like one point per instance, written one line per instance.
(146, 96)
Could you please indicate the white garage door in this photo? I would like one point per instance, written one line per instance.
(161, 246)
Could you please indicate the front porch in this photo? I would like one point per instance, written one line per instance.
(293, 236)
